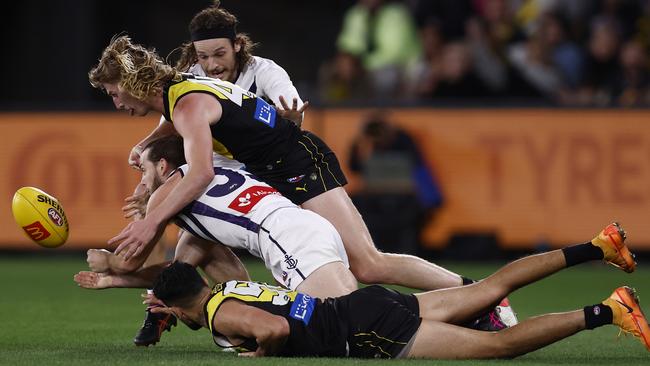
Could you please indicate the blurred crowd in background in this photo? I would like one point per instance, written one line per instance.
(577, 53)
(569, 53)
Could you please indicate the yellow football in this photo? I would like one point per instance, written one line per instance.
(41, 217)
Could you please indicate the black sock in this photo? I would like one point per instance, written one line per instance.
(597, 315)
(581, 253)
(467, 281)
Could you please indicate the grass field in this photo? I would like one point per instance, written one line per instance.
(48, 320)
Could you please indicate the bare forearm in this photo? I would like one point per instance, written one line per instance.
(271, 337)
(188, 189)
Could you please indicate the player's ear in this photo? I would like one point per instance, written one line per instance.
(237, 45)
(162, 166)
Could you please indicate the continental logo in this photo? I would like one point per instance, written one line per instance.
(36, 231)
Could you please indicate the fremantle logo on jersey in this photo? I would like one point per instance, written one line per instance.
(265, 113)
(246, 200)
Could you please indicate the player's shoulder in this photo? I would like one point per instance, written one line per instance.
(262, 66)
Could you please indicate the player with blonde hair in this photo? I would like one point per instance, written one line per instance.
(215, 115)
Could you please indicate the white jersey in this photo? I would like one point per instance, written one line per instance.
(241, 212)
(264, 78)
(231, 209)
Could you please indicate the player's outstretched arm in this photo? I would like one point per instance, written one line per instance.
(192, 118)
(137, 251)
(99, 281)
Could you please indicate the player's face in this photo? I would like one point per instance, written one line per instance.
(125, 101)
(217, 58)
(151, 173)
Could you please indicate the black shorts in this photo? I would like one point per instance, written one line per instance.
(380, 321)
(308, 169)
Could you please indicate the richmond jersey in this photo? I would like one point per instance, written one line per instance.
(315, 329)
(249, 130)
(231, 209)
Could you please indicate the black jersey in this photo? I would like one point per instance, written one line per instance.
(373, 322)
(249, 130)
(295, 162)
(315, 329)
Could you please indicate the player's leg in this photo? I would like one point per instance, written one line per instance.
(447, 341)
(330, 280)
(441, 340)
(451, 305)
(218, 262)
(368, 264)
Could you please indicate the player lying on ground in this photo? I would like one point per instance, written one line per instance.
(302, 250)
(377, 322)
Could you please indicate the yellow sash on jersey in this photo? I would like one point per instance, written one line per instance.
(245, 291)
(219, 88)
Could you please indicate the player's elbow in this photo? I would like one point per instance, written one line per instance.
(275, 329)
(201, 178)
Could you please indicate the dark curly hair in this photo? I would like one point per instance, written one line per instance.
(215, 17)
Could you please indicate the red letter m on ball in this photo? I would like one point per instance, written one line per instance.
(36, 231)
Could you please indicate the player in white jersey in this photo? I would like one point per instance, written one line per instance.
(303, 251)
(245, 213)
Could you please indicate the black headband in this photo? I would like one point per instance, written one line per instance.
(210, 33)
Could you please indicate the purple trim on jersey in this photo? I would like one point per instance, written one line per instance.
(203, 229)
(185, 226)
(200, 208)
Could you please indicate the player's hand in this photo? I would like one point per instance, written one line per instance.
(93, 280)
(294, 113)
(136, 205)
(98, 260)
(152, 300)
(133, 239)
(134, 157)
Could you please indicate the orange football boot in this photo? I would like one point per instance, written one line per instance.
(628, 315)
(612, 242)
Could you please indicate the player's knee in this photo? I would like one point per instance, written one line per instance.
(370, 269)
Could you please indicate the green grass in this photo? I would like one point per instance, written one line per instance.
(48, 320)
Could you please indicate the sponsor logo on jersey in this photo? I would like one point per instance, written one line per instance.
(265, 113)
(302, 308)
(36, 231)
(291, 263)
(55, 217)
(296, 179)
(246, 200)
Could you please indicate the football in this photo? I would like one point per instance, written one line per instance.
(40, 216)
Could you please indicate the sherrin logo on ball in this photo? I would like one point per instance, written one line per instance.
(40, 216)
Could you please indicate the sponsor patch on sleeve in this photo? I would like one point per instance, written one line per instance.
(265, 113)
(302, 308)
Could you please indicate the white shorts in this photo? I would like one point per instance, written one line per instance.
(295, 242)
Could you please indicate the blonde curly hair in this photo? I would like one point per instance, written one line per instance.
(137, 70)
